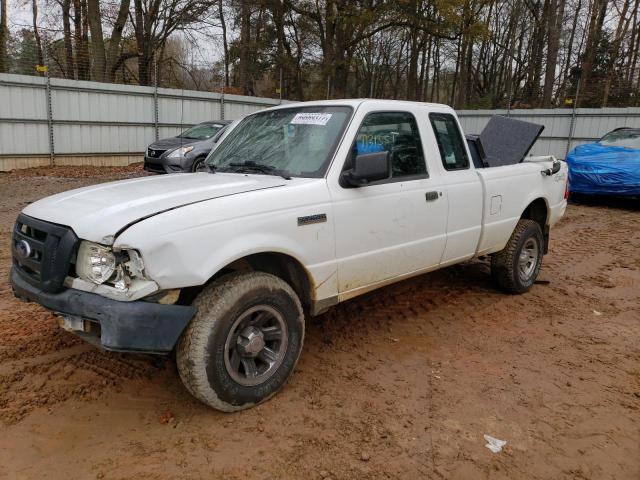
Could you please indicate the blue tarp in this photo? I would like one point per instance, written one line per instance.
(602, 170)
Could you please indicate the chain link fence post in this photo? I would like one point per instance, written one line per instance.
(572, 124)
(45, 69)
(156, 108)
(222, 98)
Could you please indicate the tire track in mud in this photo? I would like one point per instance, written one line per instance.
(34, 380)
(436, 302)
(41, 365)
(408, 377)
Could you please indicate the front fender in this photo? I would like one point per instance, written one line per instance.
(187, 246)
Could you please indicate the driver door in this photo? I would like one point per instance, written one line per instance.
(393, 226)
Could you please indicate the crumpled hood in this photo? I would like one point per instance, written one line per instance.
(99, 212)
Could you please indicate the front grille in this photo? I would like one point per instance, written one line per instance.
(42, 252)
(151, 152)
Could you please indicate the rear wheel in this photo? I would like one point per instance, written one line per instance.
(244, 342)
(516, 267)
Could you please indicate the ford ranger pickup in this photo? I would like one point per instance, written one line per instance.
(303, 206)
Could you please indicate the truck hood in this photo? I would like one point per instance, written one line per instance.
(100, 212)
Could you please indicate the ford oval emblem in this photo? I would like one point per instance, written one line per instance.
(22, 249)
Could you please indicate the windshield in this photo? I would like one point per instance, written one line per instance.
(622, 138)
(202, 131)
(297, 140)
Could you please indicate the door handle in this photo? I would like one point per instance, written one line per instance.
(431, 196)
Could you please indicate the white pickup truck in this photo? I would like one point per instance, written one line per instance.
(305, 205)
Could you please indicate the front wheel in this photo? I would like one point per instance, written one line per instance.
(516, 267)
(244, 342)
(199, 165)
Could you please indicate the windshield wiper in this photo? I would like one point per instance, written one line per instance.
(262, 168)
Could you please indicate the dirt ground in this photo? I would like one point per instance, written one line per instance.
(400, 384)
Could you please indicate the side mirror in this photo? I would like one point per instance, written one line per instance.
(367, 168)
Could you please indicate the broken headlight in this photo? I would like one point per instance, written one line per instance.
(100, 264)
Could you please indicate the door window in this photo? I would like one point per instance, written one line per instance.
(396, 133)
(452, 151)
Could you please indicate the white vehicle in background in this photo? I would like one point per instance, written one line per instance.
(306, 205)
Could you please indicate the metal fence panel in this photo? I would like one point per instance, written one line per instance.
(590, 125)
(98, 119)
(90, 118)
(22, 97)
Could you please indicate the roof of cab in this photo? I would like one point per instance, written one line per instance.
(356, 102)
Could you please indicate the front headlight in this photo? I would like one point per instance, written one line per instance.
(180, 152)
(100, 264)
(95, 262)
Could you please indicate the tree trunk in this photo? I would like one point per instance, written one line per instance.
(567, 64)
(245, 40)
(225, 44)
(281, 67)
(594, 35)
(341, 74)
(621, 30)
(116, 38)
(554, 27)
(82, 49)
(414, 56)
(142, 30)
(425, 68)
(458, 88)
(36, 32)
(4, 36)
(328, 45)
(534, 70)
(69, 67)
(97, 41)
(435, 83)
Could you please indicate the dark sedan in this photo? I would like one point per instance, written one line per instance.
(187, 151)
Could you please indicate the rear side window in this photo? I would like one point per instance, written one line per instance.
(396, 133)
(450, 143)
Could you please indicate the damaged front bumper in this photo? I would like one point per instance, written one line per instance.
(136, 326)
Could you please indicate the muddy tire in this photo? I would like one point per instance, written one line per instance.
(516, 267)
(244, 342)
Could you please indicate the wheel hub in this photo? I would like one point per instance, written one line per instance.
(528, 259)
(256, 345)
(251, 342)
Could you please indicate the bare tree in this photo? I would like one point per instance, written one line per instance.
(154, 20)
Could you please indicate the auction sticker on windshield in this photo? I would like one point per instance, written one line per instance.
(311, 118)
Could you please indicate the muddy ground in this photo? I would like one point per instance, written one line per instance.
(399, 384)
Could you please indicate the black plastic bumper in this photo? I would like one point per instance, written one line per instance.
(124, 326)
(161, 165)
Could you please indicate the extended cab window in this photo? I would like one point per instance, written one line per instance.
(452, 152)
(396, 133)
